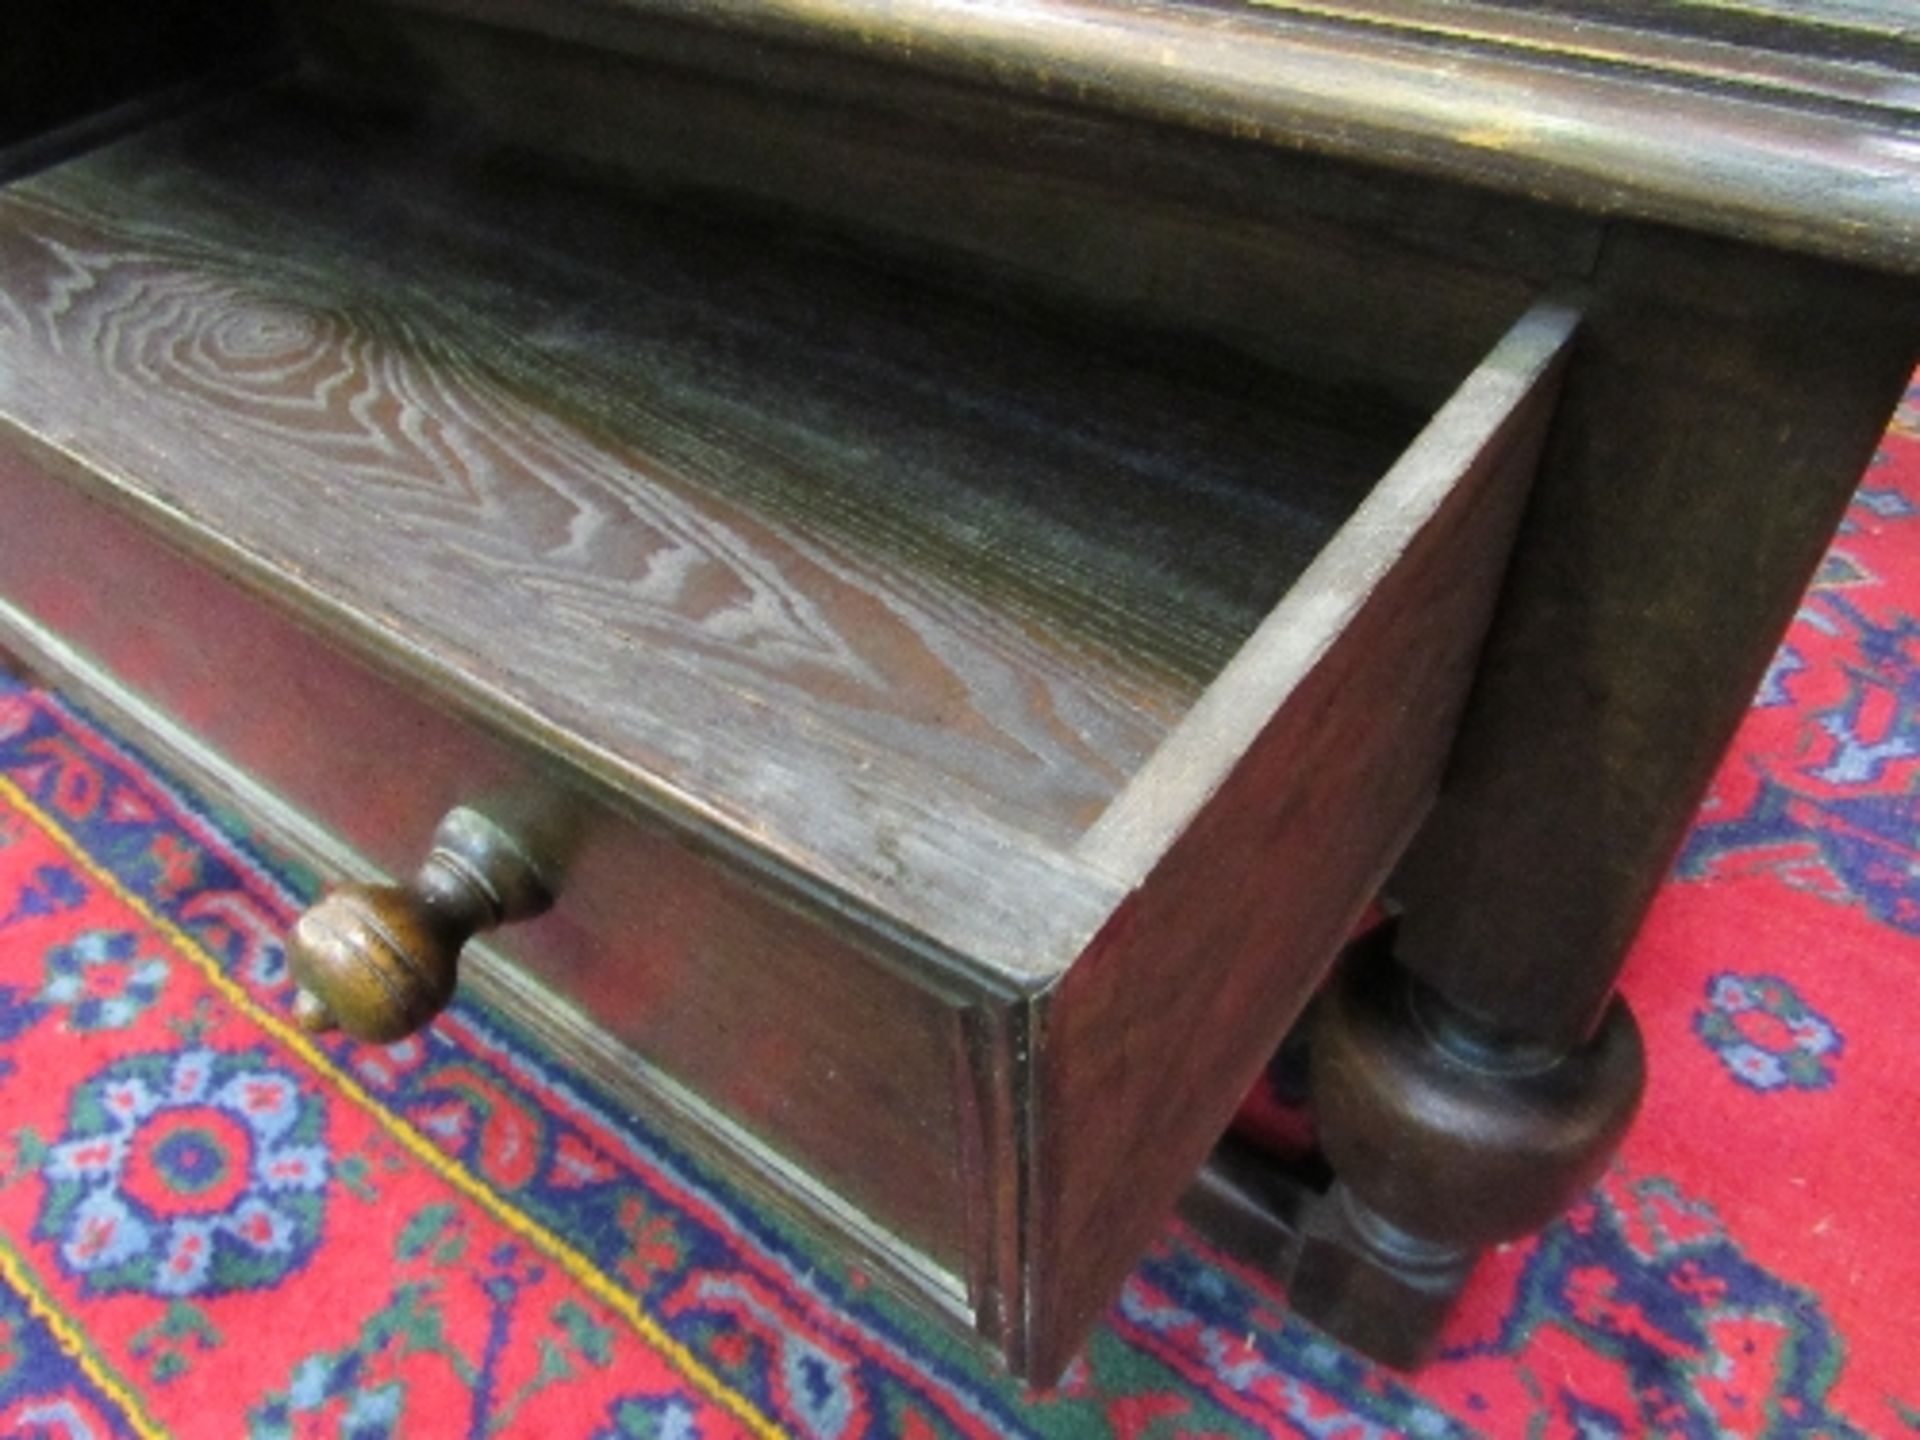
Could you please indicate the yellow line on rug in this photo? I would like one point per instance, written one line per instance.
(74, 1341)
(583, 1271)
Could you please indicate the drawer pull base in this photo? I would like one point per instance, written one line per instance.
(380, 961)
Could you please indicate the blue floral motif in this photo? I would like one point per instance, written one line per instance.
(373, 1410)
(1766, 1035)
(197, 1173)
(102, 980)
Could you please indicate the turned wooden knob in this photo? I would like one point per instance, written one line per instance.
(380, 961)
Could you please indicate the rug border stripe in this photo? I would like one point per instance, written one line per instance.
(73, 1340)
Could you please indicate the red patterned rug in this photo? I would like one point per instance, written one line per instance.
(211, 1225)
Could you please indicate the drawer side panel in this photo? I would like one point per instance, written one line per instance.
(1260, 834)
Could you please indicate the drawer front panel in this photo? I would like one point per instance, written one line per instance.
(848, 1081)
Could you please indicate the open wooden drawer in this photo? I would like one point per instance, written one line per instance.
(962, 726)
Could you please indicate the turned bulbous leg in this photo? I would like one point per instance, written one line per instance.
(1445, 1137)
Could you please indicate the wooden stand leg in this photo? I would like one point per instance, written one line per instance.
(1468, 1086)
(1444, 1138)
(1372, 1285)
(1666, 542)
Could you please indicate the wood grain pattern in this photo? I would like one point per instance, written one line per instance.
(738, 511)
(1267, 831)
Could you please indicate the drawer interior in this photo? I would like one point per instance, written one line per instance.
(735, 502)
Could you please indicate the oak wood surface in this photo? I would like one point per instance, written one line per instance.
(813, 551)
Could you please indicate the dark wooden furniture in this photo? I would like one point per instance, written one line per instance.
(947, 554)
